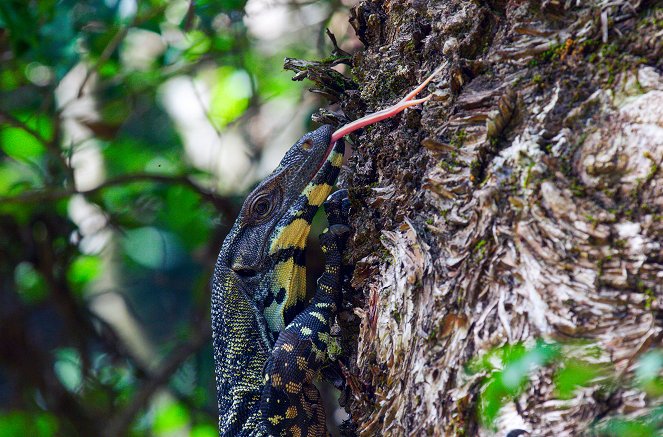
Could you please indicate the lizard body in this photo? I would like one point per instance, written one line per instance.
(259, 285)
(269, 342)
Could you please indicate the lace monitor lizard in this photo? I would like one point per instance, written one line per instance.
(269, 342)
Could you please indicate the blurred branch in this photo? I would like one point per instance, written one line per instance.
(329, 82)
(114, 43)
(104, 57)
(15, 122)
(51, 145)
(118, 425)
(223, 204)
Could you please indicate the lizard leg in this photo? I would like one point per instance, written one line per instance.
(290, 403)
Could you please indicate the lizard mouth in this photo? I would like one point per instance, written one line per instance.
(245, 272)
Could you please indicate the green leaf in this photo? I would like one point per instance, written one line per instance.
(648, 373)
(83, 270)
(271, 79)
(20, 423)
(98, 40)
(184, 215)
(68, 368)
(126, 156)
(199, 44)
(204, 430)
(153, 248)
(170, 418)
(574, 374)
(491, 400)
(517, 362)
(19, 18)
(30, 283)
(9, 80)
(11, 177)
(46, 424)
(20, 144)
(230, 95)
(628, 428)
(223, 42)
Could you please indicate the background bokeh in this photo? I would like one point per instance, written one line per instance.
(129, 132)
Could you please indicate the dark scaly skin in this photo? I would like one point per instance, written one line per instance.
(268, 344)
(264, 335)
(290, 403)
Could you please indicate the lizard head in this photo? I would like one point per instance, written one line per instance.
(265, 248)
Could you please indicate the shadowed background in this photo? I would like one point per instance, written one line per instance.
(129, 132)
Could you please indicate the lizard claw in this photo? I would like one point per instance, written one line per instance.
(335, 236)
(337, 208)
(339, 231)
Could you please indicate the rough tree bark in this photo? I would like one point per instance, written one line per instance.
(524, 201)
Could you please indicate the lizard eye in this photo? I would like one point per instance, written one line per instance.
(261, 207)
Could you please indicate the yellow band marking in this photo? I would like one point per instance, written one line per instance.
(292, 235)
(291, 277)
(317, 194)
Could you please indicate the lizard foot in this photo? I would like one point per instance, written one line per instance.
(337, 208)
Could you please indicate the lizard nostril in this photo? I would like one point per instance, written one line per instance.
(307, 145)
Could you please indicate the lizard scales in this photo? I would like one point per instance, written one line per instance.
(269, 342)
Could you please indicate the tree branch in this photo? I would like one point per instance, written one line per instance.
(223, 204)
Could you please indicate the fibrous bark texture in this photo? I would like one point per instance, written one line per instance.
(524, 201)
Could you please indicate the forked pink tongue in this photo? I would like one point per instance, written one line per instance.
(375, 117)
(367, 120)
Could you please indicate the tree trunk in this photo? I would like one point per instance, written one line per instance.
(523, 202)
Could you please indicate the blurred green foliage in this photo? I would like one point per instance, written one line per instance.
(143, 240)
(505, 373)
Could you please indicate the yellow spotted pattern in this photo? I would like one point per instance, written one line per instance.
(293, 387)
(301, 363)
(318, 316)
(335, 158)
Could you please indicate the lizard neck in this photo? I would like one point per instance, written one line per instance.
(241, 344)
